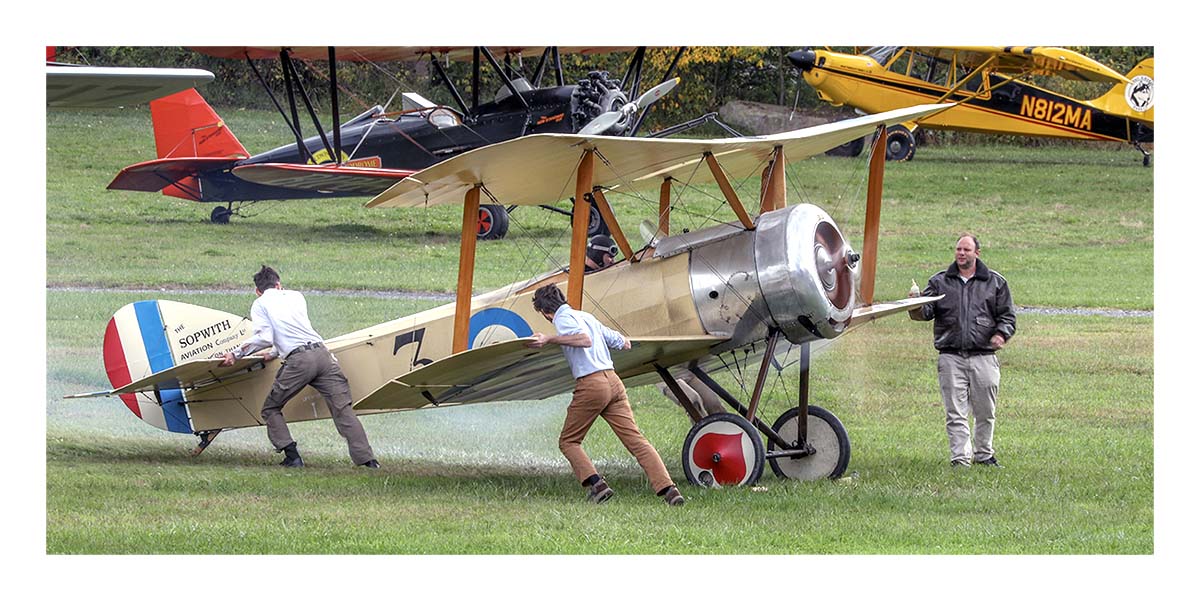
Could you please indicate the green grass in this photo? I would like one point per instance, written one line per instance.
(1070, 226)
(1067, 226)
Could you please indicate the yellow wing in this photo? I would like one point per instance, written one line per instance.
(1038, 60)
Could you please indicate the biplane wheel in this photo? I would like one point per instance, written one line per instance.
(901, 144)
(596, 225)
(493, 222)
(221, 215)
(852, 148)
(723, 450)
(827, 436)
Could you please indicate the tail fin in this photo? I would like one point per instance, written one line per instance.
(1135, 99)
(186, 126)
(147, 337)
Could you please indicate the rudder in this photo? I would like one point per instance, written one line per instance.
(186, 126)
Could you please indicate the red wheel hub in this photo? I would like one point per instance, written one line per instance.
(722, 455)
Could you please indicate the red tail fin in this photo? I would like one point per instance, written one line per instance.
(185, 126)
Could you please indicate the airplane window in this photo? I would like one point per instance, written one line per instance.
(442, 117)
(882, 54)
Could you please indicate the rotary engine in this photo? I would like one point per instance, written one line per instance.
(597, 95)
(794, 272)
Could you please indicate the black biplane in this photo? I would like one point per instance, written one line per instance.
(200, 159)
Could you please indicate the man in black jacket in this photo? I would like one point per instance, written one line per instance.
(974, 319)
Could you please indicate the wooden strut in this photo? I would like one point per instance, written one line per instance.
(727, 190)
(871, 226)
(610, 219)
(579, 224)
(774, 187)
(664, 207)
(466, 270)
(763, 371)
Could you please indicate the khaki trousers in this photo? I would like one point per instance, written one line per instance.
(602, 394)
(317, 368)
(969, 383)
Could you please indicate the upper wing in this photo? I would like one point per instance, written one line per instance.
(358, 181)
(185, 376)
(390, 53)
(539, 168)
(510, 370)
(1038, 60)
(99, 87)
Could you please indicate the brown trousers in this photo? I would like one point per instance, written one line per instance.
(602, 394)
(316, 368)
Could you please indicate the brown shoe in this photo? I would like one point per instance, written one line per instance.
(599, 492)
(674, 498)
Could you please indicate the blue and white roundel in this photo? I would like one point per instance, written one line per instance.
(494, 324)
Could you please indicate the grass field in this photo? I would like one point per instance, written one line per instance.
(1069, 227)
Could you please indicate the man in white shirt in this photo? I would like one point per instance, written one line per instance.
(598, 393)
(281, 321)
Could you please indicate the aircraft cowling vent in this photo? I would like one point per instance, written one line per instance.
(794, 272)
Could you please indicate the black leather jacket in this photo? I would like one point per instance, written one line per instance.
(971, 312)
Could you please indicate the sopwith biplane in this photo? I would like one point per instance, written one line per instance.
(991, 89)
(200, 159)
(768, 278)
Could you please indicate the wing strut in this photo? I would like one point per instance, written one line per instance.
(727, 190)
(774, 186)
(664, 207)
(871, 226)
(466, 270)
(579, 223)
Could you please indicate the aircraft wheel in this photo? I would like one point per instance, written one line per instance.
(596, 223)
(220, 215)
(826, 434)
(723, 449)
(901, 144)
(852, 148)
(493, 222)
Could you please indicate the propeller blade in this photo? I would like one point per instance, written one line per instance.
(601, 124)
(653, 94)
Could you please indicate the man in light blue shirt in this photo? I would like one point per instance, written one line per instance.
(598, 393)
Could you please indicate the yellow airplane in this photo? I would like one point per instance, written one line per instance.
(685, 301)
(986, 84)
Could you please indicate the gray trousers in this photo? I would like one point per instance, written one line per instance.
(316, 368)
(969, 383)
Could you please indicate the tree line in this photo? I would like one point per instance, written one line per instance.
(710, 76)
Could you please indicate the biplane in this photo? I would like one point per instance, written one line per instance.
(987, 85)
(200, 159)
(690, 302)
(70, 85)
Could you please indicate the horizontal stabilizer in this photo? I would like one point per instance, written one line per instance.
(341, 179)
(512, 371)
(185, 376)
(152, 176)
(872, 312)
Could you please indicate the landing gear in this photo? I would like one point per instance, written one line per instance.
(493, 222)
(827, 446)
(221, 214)
(723, 449)
(901, 144)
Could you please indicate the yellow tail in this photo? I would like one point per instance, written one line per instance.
(1134, 100)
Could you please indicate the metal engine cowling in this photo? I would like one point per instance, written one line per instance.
(794, 272)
